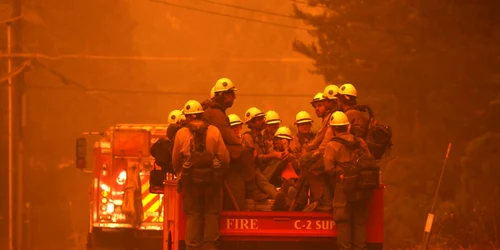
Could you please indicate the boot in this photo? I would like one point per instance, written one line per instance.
(279, 202)
(253, 192)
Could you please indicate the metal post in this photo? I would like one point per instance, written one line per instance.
(430, 216)
(10, 135)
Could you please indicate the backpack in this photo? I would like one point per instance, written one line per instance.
(201, 162)
(162, 152)
(378, 137)
(361, 172)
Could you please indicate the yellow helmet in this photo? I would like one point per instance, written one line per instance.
(303, 117)
(339, 119)
(272, 117)
(174, 116)
(348, 89)
(224, 84)
(212, 93)
(331, 92)
(284, 133)
(192, 107)
(252, 113)
(318, 98)
(234, 120)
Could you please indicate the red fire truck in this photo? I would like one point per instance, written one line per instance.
(123, 213)
(124, 151)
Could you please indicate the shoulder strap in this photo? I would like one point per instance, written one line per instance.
(350, 145)
(363, 108)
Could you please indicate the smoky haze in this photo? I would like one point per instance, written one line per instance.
(185, 51)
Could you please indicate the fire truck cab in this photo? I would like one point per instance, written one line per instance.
(123, 213)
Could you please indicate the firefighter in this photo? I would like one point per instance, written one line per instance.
(350, 208)
(161, 150)
(330, 103)
(286, 174)
(254, 140)
(174, 123)
(273, 122)
(312, 153)
(215, 114)
(347, 102)
(199, 159)
(321, 112)
(236, 124)
(303, 121)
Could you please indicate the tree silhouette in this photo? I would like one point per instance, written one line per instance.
(438, 62)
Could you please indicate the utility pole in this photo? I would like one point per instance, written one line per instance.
(15, 92)
(10, 145)
(20, 121)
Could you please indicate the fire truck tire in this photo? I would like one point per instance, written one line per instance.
(99, 240)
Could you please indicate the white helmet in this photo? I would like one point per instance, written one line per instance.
(192, 107)
(339, 119)
(234, 120)
(272, 117)
(330, 92)
(252, 113)
(284, 133)
(224, 84)
(348, 89)
(212, 93)
(317, 98)
(303, 117)
(174, 116)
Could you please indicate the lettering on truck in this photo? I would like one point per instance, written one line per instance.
(314, 224)
(253, 224)
(242, 223)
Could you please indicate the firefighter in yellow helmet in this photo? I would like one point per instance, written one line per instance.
(200, 159)
(175, 121)
(286, 173)
(318, 144)
(273, 122)
(303, 121)
(161, 150)
(350, 207)
(347, 103)
(253, 139)
(215, 114)
(236, 124)
(311, 157)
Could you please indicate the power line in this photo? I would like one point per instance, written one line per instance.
(249, 9)
(15, 72)
(231, 16)
(388, 31)
(10, 20)
(153, 58)
(81, 87)
(159, 92)
(307, 3)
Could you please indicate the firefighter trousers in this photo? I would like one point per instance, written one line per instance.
(202, 207)
(350, 218)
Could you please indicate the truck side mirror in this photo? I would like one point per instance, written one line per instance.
(81, 153)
